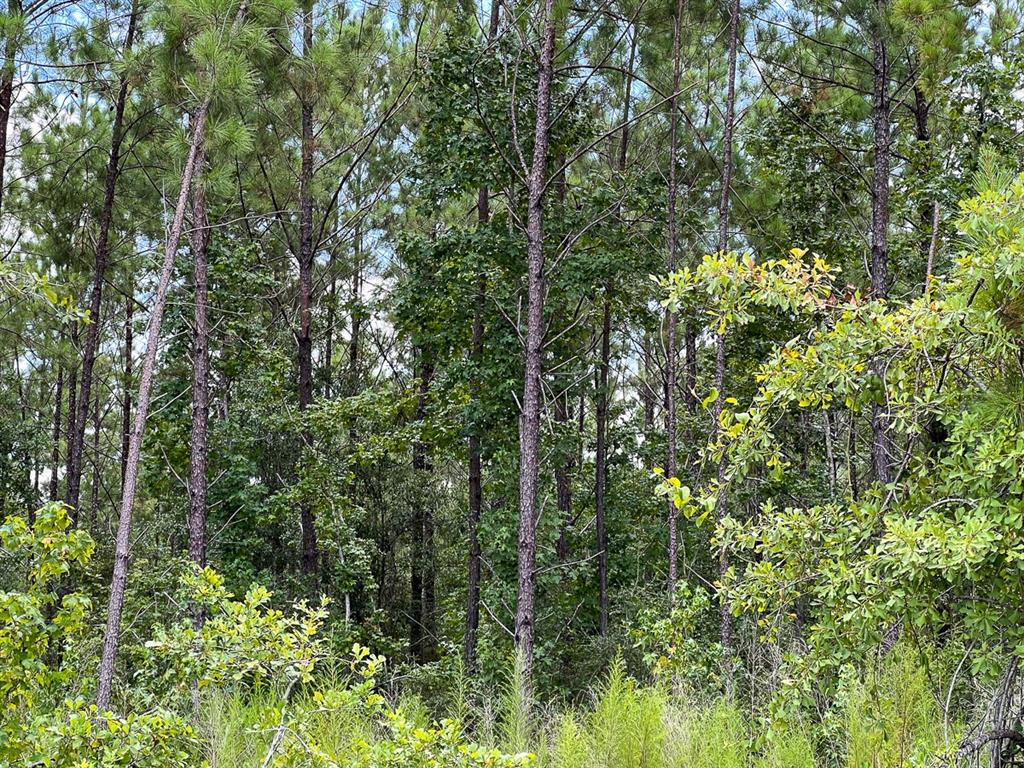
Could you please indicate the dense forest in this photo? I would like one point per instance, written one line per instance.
(616, 384)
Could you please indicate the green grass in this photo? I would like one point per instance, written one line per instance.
(888, 719)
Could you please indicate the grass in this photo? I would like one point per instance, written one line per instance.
(889, 719)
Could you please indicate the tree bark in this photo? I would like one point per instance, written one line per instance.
(310, 548)
(529, 423)
(76, 442)
(122, 550)
(72, 387)
(601, 465)
(198, 458)
(94, 500)
(126, 405)
(7, 71)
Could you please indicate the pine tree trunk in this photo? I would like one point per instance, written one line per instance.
(76, 442)
(529, 424)
(880, 448)
(122, 550)
(671, 321)
(601, 465)
(58, 405)
(126, 405)
(94, 500)
(198, 457)
(7, 70)
(310, 548)
(72, 387)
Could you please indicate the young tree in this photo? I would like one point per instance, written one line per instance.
(529, 420)
(222, 47)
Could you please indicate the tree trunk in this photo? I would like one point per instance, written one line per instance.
(671, 321)
(880, 448)
(72, 387)
(310, 549)
(94, 500)
(356, 320)
(122, 550)
(198, 458)
(475, 463)
(529, 424)
(76, 440)
(565, 462)
(423, 626)
(563, 488)
(58, 405)
(647, 391)
(721, 501)
(7, 92)
(601, 465)
(126, 405)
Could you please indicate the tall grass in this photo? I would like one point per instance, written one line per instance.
(892, 718)
(888, 719)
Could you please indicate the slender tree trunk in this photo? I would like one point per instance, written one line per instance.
(728, 644)
(647, 392)
(94, 500)
(880, 448)
(126, 405)
(671, 321)
(198, 459)
(603, 381)
(475, 463)
(423, 627)
(566, 461)
(122, 550)
(76, 441)
(601, 465)
(58, 405)
(310, 548)
(563, 488)
(529, 424)
(72, 387)
(7, 72)
(922, 136)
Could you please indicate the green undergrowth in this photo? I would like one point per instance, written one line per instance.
(888, 719)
